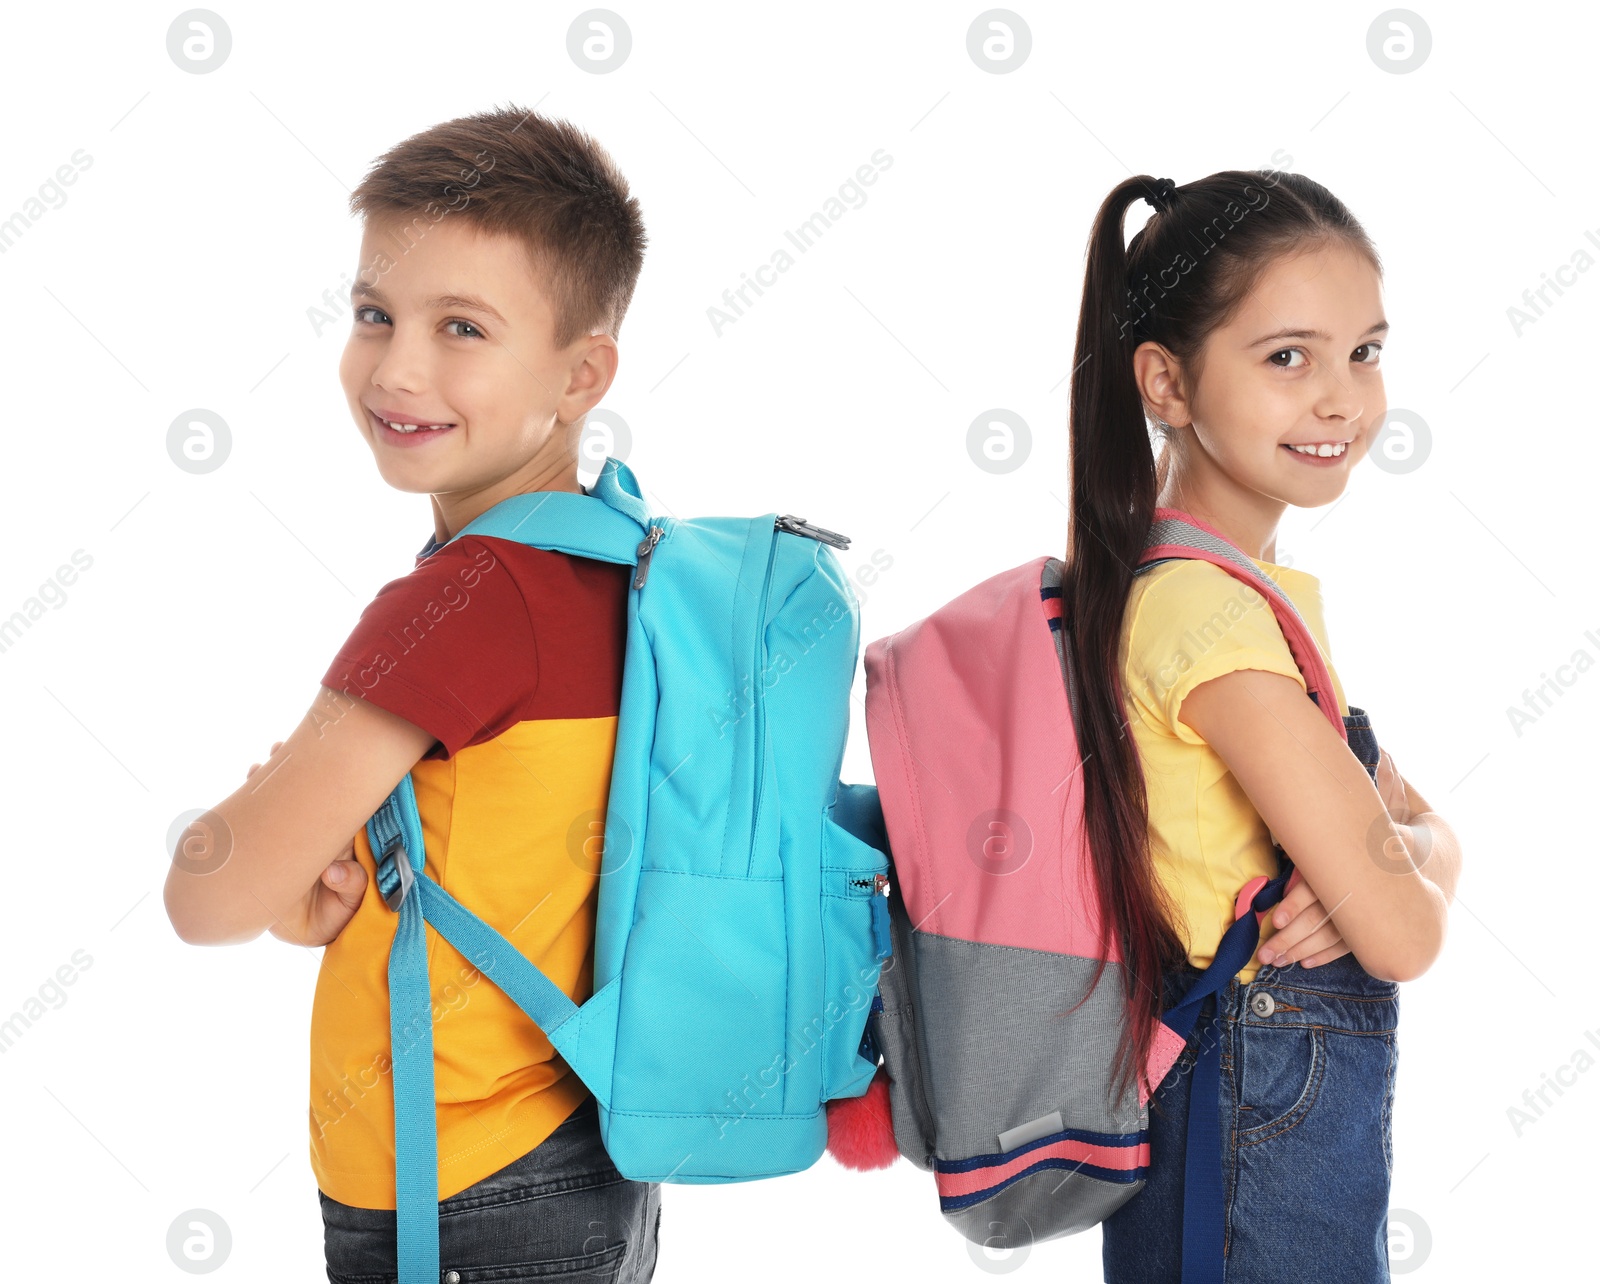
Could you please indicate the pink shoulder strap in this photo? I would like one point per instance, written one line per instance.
(1178, 534)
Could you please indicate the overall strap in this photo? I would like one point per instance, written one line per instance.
(1203, 1209)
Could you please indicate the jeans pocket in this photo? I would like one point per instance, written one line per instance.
(1280, 1074)
(595, 1268)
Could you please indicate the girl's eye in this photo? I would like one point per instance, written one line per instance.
(1273, 359)
(1372, 350)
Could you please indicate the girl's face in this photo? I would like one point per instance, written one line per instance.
(1297, 365)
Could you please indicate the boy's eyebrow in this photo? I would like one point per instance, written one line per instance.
(470, 301)
(1382, 327)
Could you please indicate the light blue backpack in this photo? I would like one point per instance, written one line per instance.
(740, 928)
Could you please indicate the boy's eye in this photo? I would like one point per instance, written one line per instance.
(476, 333)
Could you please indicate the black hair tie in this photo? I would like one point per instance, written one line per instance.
(1162, 197)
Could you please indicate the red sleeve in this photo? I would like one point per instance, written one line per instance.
(449, 647)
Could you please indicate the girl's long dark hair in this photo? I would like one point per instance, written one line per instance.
(1182, 275)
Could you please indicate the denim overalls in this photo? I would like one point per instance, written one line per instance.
(1307, 1091)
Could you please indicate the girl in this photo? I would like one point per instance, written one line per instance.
(1246, 320)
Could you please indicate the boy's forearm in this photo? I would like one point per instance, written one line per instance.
(212, 925)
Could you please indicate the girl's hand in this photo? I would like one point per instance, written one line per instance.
(331, 903)
(1305, 934)
(1392, 789)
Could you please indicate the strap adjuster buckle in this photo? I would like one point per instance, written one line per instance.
(402, 874)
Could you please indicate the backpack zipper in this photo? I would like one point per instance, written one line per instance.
(882, 936)
(758, 692)
(799, 526)
(647, 546)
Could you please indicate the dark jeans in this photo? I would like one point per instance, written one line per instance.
(561, 1212)
(1308, 1066)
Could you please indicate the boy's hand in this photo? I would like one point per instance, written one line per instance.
(331, 903)
(328, 906)
(1305, 934)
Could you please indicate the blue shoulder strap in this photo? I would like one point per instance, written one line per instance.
(606, 526)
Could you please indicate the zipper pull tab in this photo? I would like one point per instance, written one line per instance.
(647, 546)
(882, 934)
(799, 526)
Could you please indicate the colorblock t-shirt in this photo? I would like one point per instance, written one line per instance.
(512, 658)
(1187, 622)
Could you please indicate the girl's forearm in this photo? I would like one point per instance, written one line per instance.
(1435, 857)
(1436, 852)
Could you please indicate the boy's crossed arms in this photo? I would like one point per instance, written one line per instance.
(279, 851)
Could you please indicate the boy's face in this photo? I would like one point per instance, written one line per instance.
(458, 330)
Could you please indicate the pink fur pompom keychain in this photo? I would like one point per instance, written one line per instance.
(861, 1129)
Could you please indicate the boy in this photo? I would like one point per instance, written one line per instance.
(499, 255)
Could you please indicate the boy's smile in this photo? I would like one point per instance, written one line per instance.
(405, 430)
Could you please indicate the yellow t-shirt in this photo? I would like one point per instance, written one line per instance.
(1187, 622)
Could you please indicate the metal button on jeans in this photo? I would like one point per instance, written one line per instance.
(1262, 1004)
(452, 1277)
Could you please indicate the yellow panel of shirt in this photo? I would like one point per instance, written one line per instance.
(503, 827)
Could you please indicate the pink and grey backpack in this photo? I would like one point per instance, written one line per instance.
(991, 1084)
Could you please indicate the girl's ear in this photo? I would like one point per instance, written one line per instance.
(1156, 373)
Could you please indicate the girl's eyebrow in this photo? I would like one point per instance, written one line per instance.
(1382, 327)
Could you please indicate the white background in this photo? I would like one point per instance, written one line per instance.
(179, 273)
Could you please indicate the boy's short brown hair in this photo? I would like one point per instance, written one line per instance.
(540, 180)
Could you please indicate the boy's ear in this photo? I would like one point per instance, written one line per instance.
(593, 369)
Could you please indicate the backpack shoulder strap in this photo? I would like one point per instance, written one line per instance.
(607, 525)
(1176, 534)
